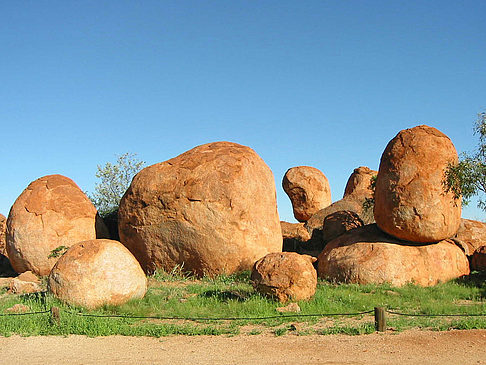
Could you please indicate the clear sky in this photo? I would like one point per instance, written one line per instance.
(319, 83)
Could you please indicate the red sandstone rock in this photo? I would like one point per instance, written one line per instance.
(338, 223)
(478, 259)
(285, 276)
(410, 200)
(359, 183)
(51, 212)
(471, 235)
(212, 209)
(97, 272)
(3, 227)
(366, 255)
(308, 190)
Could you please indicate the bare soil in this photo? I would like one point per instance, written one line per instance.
(409, 347)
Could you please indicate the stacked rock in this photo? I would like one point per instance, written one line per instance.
(415, 217)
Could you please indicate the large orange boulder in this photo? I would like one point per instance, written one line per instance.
(471, 235)
(308, 190)
(478, 259)
(212, 209)
(410, 199)
(3, 227)
(51, 212)
(285, 276)
(360, 183)
(95, 273)
(366, 255)
(338, 223)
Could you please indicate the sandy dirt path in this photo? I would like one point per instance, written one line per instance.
(410, 347)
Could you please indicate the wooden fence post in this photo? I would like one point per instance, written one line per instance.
(380, 319)
(55, 316)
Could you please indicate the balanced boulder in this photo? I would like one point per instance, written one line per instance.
(285, 276)
(97, 272)
(51, 212)
(308, 190)
(366, 255)
(211, 210)
(411, 202)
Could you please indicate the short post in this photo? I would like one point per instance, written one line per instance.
(380, 319)
(55, 316)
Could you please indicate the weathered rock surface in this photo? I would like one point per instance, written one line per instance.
(410, 200)
(286, 276)
(478, 259)
(25, 283)
(471, 235)
(338, 223)
(212, 209)
(366, 255)
(3, 228)
(51, 212)
(359, 183)
(315, 224)
(97, 272)
(308, 190)
(5, 267)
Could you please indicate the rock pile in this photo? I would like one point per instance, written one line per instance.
(51, 212)
(212, 209)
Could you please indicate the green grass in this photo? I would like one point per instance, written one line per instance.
(177, 295)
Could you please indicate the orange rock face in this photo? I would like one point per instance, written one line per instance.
(3, 227)
(308, 190)
(359, 183)
(51, 212)
(471, 235)
(478, 259)
(410, 201)
(339, 223)
(286, 276)
(212, 209)
(368, 256)
(97, 272)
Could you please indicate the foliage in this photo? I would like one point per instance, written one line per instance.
(115, 180)
(467, 178)
(58, 251)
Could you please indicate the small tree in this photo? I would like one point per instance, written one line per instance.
(467, 178)
(115, 180)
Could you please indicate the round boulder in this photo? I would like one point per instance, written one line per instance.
(212, 209)
(410, 200)
(478, 259)
(50, 213)
(285, 276)
(97, 272)
(366, 255)
(360, 183)
(338, 223)
(471, 235)
(308, 190)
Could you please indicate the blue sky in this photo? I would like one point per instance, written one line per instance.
(319, 83)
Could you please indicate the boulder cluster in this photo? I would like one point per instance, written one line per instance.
(212, 210)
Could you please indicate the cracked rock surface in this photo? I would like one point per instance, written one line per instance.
(410, 200)
(3, 223)
(211, 209)
(51, 212)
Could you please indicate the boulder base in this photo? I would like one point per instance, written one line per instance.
(368, 256)
(97, 272)
(285, 276)
(410, 200)
(51, 212)
(212, 209)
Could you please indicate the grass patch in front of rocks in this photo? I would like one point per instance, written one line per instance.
(173, 295)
